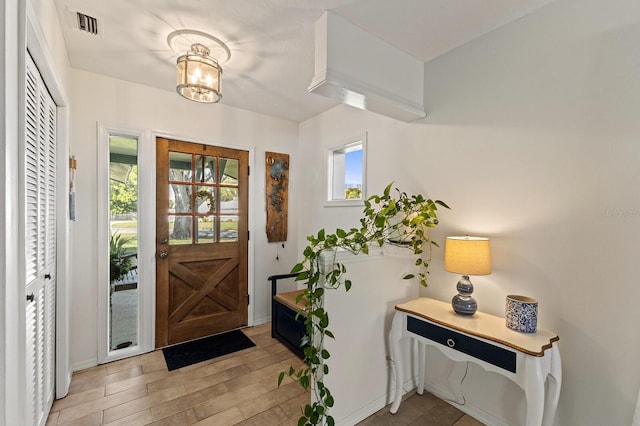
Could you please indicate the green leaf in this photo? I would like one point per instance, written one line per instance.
(340, 233)
(347, 285)
(280, 378)
(408, 277)
(297, 268)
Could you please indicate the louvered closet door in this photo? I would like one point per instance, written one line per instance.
(40, 245)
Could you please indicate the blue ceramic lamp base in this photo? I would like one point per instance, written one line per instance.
(462, 303)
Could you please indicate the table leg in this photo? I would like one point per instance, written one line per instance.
(534, 390)
(555, 382)
(395, 335)
(421, 367)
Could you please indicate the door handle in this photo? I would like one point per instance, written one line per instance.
(47, 276)
(31, 297)
(163, 255)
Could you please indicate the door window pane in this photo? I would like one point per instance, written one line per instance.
(179, 230)
(228, 200)
(206, 230)
(180, 198)
(228, 171)
(228, 228)
(206, 200)
(205, 169)
(180, 167)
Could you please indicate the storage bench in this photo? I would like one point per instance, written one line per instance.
(284, 325)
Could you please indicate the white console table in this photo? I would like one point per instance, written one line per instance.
(526, 359)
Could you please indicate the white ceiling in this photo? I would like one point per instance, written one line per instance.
(271, 41)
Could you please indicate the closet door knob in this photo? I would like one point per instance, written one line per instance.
(30, 298)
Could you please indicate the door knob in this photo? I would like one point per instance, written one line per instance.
(163, 255)
(31, 297)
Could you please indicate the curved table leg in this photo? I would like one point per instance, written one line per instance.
(395, 335)
(555, 382)
(534, 391)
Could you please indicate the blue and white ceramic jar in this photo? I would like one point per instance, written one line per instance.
(522, 314)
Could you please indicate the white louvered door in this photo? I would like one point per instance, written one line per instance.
(40, 245)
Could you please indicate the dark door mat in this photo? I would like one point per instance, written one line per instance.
(195, 351)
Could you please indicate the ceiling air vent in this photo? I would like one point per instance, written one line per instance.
(87, 23)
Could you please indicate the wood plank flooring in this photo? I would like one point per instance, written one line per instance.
(237, 389)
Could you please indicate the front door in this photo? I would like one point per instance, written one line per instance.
(201, 240)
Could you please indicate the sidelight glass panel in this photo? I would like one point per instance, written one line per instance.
(123, 214)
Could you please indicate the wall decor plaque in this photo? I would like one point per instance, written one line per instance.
(277, 193)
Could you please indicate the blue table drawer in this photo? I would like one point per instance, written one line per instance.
(495, 355)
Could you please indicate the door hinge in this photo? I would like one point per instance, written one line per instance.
(248, 296)
(248, 235)
(248, 170)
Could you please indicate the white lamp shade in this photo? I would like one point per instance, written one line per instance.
(467, 255)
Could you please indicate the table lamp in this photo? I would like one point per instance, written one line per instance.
(467, 256)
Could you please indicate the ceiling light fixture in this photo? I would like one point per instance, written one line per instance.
(199, 75)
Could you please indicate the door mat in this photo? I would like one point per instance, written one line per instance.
(195, 351)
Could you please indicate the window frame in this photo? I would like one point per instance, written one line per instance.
(330, 173)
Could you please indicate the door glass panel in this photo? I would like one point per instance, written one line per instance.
(180, 198)
(206, 200)
(205, 169)
(180, 169)
(206, 230)
(179, 230)
(228, 171)
(228, 228)
(228, 200)
(123, 213)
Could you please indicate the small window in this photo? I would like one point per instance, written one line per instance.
(346, 171)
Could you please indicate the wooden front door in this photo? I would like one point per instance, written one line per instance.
(201, 240)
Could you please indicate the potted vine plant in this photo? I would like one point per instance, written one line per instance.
(120, 260)
(405, 221)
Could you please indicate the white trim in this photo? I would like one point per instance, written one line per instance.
(12, 43)
(329, 173)
(37, 46)
(146, 248)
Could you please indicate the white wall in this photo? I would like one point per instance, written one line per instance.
(531, 139)
(119, 104)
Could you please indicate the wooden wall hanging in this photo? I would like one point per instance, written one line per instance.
(277, 192)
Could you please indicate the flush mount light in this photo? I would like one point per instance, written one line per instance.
(199, 71)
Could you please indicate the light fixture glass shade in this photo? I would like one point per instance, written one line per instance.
(199, 76)
(467, 255)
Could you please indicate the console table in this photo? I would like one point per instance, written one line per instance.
(526, 359)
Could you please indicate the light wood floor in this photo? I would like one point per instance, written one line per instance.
(237, 389)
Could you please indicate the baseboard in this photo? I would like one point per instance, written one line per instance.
(62, 389)
(263, 320)
(376, 405)
(467, 407)
(84, 364)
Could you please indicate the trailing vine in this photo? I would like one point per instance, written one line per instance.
(404, 221)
